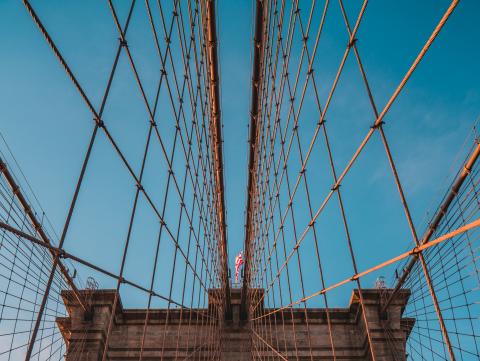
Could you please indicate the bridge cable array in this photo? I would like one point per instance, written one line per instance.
(191, 165)
(286, 272)
(282, 218)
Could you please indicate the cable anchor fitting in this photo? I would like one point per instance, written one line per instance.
(352, 42)
(123, 42)
(99, 122)
(376, 126)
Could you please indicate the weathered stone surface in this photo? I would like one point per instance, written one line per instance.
(297, 334)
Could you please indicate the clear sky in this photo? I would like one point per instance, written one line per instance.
(47, 125)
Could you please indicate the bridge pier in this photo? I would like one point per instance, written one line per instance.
(199, 334)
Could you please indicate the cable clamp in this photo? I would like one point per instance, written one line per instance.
(415, 251)
(335, 187)
(352, 42)
(375, 126)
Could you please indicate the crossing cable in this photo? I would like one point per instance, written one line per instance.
(307, 156)
(297, 12)
(23, 279)
(290, 203)
(155, 128)
(101, 125)
(65, 255)
(56, 262)
(405, 255)
(305, 38)
(440, 270)
(164, 206)
(36, 225)
(449, 265)
(396, 178)
(379, 119)
(175, 182)
(270, 29)
(168, 183)
(87, 157)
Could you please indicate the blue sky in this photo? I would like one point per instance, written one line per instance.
(47, 125)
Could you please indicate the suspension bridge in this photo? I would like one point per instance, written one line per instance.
(304, 293)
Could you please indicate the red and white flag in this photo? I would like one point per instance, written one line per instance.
(238, 263)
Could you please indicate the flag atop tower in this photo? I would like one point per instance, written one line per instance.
(238, 263)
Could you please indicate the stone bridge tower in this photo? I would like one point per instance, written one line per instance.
(184, 333)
